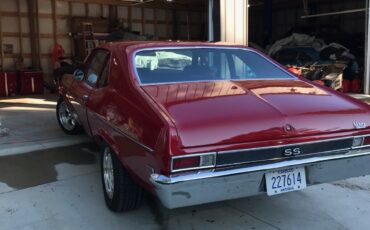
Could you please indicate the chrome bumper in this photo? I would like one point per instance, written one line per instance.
(206, 186)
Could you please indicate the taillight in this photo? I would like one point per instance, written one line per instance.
(193, 162)
(366, 140)
(361, 141)
(185, 163)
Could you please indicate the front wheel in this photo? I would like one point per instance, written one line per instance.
(121, 193)
(66, 120)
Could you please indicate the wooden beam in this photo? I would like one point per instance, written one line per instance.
(40, 15)
(194, 5)
(27, 35)
(27, 55)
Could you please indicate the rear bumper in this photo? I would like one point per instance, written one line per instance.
(187, 189)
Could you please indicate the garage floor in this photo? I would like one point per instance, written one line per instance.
(60, 188)
(32, 125)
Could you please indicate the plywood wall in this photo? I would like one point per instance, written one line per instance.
(15, 26)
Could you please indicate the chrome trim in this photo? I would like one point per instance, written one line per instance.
(287, 145)
(286, 158)
(205, 174)
(194, 168)
(123, 133)
(185, 46)
(234, 80)
(188, 189)
(361, 147)
(317, 154)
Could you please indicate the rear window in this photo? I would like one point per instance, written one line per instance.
(203, 64)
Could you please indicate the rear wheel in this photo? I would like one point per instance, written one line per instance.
(66, 119)
(121, 193)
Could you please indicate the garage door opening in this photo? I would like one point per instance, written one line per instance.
(324, 41)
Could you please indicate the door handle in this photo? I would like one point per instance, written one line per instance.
(85, 97)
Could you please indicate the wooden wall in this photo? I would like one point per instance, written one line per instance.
(54, 23)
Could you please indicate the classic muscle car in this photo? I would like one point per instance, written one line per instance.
(195, 123)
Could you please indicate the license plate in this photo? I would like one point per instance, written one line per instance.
(285, 180)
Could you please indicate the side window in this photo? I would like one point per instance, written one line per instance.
(96, 66)
(103, 81)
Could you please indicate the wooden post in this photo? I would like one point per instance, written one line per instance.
(175, 33)
(38, 66)
(20, 28)
(129, 17)
(33, 33)
(142, 21)
(70, 7)
(168, 35)
(1, 42)
(54, 18)
(188, 25)
(87, 10)
(70, 26)
(155, 23)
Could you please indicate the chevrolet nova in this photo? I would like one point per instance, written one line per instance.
(195, 123)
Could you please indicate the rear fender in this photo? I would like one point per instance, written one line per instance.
(107, 138)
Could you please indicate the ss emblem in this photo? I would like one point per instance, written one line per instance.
(292, 152)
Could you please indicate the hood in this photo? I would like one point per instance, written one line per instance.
(228, 112)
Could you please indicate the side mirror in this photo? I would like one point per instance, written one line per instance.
(79, 75)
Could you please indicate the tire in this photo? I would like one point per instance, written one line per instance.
(121, 193)
(66, 121)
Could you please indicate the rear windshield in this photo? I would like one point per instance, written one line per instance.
(203, 64)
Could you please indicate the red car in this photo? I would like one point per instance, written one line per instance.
(195, 123)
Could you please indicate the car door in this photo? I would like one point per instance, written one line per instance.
(82, 88)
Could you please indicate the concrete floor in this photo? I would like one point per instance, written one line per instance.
(60, 188)
(32, 125)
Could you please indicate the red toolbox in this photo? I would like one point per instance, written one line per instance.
(31, 83)
(8, 84)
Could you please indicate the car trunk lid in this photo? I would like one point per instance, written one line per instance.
(228, 112)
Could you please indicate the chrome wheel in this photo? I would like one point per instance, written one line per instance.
(66, 118)
(108, 173)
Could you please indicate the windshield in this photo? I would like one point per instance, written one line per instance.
(203, 64)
